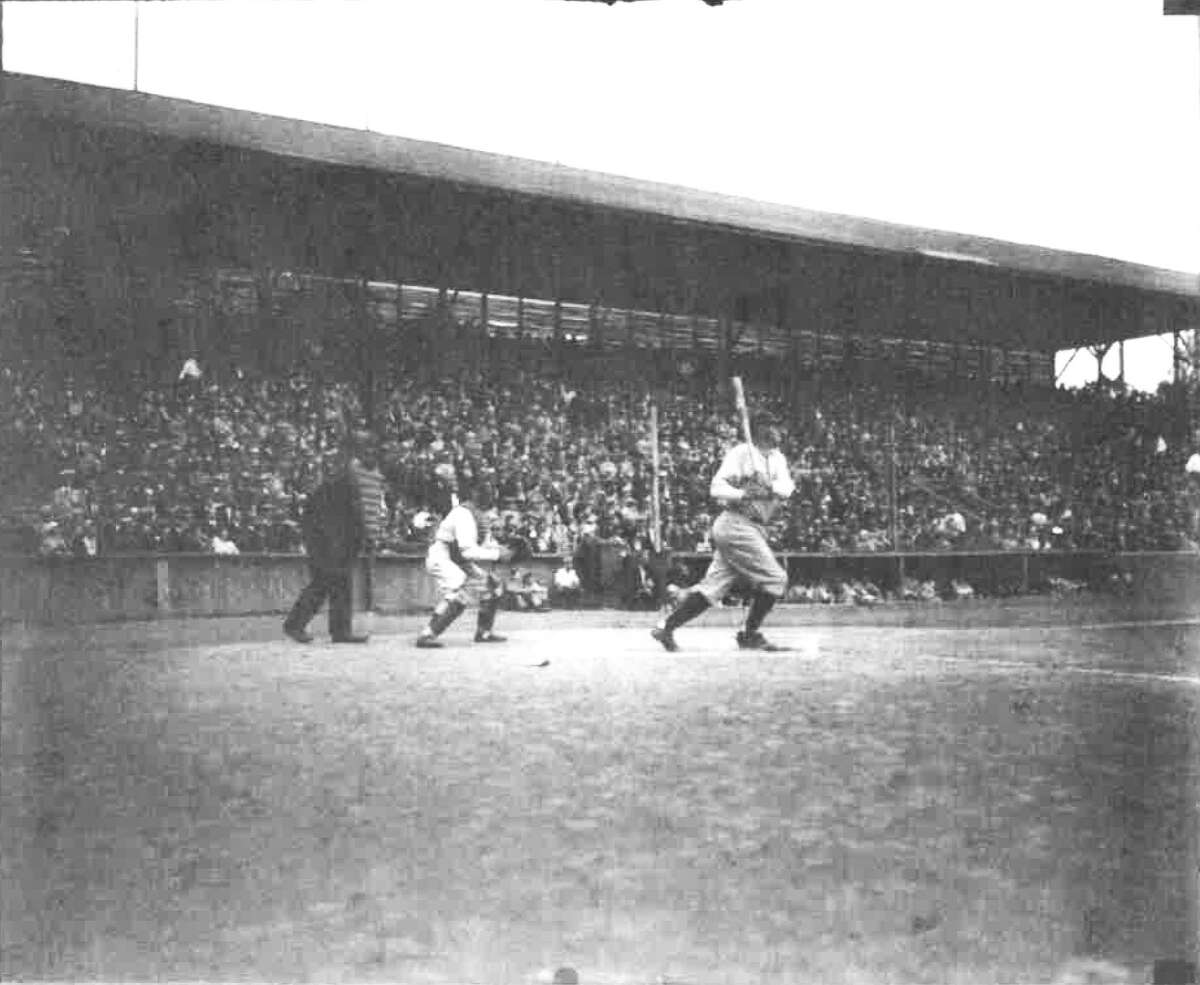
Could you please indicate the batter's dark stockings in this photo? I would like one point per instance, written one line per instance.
(692, 605)
(760, 605)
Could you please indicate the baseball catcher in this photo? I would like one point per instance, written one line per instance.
(453, 560)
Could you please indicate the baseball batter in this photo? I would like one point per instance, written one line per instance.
(453, 560)
(751, 485)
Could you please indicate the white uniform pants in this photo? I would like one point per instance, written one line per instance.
(742, 555)
(469, 584)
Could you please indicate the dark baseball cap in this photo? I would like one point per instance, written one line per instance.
(764, 419)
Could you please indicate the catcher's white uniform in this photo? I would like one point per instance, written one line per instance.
(452, 557)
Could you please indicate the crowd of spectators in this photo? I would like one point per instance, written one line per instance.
(222, 466)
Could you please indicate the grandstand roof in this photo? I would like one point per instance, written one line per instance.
(1099, 299)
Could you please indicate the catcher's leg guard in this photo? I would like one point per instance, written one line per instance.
(444, 614)
(486, 619)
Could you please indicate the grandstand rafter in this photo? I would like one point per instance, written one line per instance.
(182, 184)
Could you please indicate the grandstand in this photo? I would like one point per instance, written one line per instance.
(467, 305)
(197, 304)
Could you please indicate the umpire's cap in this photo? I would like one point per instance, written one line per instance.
(362, 446)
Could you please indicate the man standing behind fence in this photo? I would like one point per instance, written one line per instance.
(342, 517)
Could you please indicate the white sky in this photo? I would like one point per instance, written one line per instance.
(1069, 124)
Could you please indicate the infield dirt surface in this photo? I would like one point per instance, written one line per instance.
(973, 794)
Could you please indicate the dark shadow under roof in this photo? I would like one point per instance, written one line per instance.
(180, 119)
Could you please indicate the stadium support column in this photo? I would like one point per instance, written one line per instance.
(559, 343)
(1192, 386)
(655, 490)
(485, 319)
(595, 327)
(893, 506)
(368, 340)
(723, 343)
(1099, 353)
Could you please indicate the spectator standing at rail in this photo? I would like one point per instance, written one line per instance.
(341, 518)
(566, 583)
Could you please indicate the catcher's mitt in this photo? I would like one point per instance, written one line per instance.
(521, 551)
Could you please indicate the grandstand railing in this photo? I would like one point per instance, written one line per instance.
(150, 586)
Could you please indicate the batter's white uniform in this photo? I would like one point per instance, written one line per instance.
(452, 557)
(741, 552)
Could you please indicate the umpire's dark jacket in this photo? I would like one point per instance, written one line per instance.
(341, 517)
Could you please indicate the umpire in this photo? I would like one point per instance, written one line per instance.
(343, 516)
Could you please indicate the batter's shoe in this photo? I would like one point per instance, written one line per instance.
(666, 637)
(299, 635)
(489, 637)
(756, 641)
(429, 643)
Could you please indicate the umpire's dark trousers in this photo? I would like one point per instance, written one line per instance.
(334, 584)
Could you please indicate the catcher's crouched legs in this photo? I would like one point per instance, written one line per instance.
(485, 619)
(489, 602)
(444, 613)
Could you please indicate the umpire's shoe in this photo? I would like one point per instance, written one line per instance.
(427, 642)
(756, 641)
(297, 633)
(487, 636)
(666, 637)
(351, 638)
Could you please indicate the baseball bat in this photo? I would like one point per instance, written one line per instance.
(739, 399)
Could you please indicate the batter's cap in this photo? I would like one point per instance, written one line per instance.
(480, 491)
(764, 419)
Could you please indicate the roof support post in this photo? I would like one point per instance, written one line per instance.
(368, 346)
(595, 327)
(484, 338)
(724, 362)
(1099, 352)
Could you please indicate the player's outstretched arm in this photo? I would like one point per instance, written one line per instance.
(466, 535)
(723, 486)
